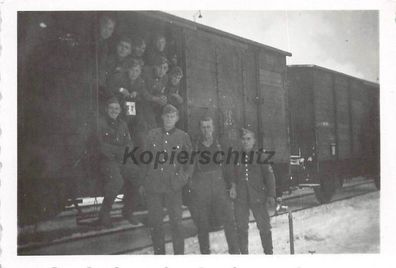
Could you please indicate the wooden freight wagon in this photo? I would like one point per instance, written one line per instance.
(334, 128)
(239, 82)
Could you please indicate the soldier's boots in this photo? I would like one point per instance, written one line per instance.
(266, 241)
(203, 239)
(104, 221)
(157, 237)
(243, 237)
(130, 217)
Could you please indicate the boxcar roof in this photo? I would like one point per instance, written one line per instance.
(370, 83)
(196, 26)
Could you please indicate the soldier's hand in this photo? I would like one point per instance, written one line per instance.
(164, 100)
(271, 203)
(124, 92)
(133, 94)
(159, 100)
(177, 97)
(233, 193)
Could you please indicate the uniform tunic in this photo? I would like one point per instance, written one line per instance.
(254, 184)
(116, 76)
(155, 87)
(163, 184)
(209, 191)
(171, 89)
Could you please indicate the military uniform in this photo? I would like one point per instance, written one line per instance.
(208, 190)
(254, 184)
(164, 184)
(153, 54)
(155, 87)
(116, 76)
(170, 90)
(113, 136)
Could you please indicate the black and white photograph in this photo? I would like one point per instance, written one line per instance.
(197, 132)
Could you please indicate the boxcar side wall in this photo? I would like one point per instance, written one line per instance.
(273, 105)
(372, 134)
(324, 115)
(358, 116)
(346, 120)
(302, 120)
(273, 114)
(241, 86)
(344, 126)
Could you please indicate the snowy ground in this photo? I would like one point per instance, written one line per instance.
(350, 226)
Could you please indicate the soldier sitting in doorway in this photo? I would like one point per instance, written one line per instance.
(157, 49)
(116, 77)
(113, 138)
(253, 188)
(138, 48)
(106, 29)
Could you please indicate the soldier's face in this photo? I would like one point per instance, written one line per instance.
(113, 110)
(107, 29)
(139, 50)
(248, 141)
(160, 44)
(160, 70)
(134, 72)
(175, 79)
(170, 120)
(124, 49)
(207, 129)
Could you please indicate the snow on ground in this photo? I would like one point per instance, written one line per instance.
(349, 226)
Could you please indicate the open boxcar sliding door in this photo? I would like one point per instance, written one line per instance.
(341, 91)
(56, 104)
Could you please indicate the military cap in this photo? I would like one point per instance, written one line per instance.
(112, 100)
(245, 131)
(158, 36)
(169, 108)
(137, 41)
(106, 19)
(176, 71)
(126, 39)
(159, 60)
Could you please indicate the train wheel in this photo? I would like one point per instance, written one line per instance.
(326, 190)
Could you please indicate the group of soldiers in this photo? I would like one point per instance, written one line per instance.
(152, 128)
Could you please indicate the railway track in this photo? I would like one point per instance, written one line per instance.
(126, 239)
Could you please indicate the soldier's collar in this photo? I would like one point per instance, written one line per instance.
(111, 120)
(215, 142)
(169, 132)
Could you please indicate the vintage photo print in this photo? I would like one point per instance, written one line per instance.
(145, 130)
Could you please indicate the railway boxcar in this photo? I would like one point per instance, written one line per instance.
(334, 128)
(239, 82)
